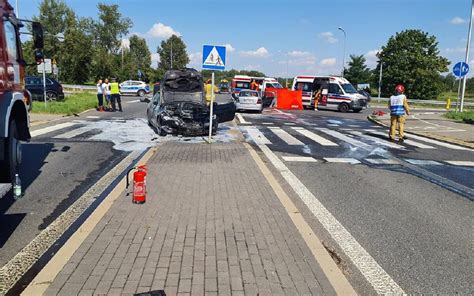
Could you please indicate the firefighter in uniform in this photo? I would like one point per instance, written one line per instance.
(115, 93)
(398, 105)
(208, 91)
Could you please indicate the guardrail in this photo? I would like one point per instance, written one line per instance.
(78, 88)
(423, 102)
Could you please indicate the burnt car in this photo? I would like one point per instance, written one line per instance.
(179, 108)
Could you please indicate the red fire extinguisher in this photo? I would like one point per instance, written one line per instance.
(139, 184)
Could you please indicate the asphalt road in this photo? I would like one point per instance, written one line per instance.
(398, 202)
(420, 233)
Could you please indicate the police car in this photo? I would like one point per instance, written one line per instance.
(133, 87)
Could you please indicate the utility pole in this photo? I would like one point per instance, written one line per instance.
(466, 60)
(16, 10)
(380, 77)
(171, 55)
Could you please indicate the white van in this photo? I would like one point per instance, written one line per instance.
(337, 93)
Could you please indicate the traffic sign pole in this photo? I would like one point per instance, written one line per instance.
(467, 57)
(211, 108)
(44, 83)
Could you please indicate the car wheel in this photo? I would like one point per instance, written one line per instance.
(343, 107)
(51, 96)
(12, 155)
(141, 93)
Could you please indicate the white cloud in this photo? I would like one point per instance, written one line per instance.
(328, 37)
(195, 58)
(457, 20)
(162, 31)
(125, 43)
(455, 50)
(328, 62)
(252, 67)
(155, 57)
(261, 52)
(229, 47)
(371, 58)
(299, 54)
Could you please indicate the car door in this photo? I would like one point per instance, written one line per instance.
(224, 111)
(36, 88)
(152, 109)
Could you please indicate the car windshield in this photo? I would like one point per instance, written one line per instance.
(274, 85)
(348, 88)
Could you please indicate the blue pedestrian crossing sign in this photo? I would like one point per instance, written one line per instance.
(213, 57)
(460, 69)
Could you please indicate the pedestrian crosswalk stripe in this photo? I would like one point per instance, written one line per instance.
(382, 161)
(342, 160)
(92, 117)
(257, 136)
(345, 138)
(49, 129)
(318, 139)
(241, 119)
(461, 162)
(74, 132)
(377, 140)
(299, 158)
(422, 162)
(408, 141)
(289, 139)
(289, 123)
(439, 143)
(267, 123)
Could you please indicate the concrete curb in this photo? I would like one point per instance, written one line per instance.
(450, 140)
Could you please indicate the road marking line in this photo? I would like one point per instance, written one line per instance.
(341, 160)
(75, 132)
(335, 276)
(267, 123)
(460, 162)
(49, 129)
(131, 102)
(439, 143)
(299, 158)
(370, 269)
(288, 123)
(46, 276)
(377, 140)
(289, 139)
(241, 119)
(409, 142)
(382, 161)
(422, 162)
(92, 117)
(318, 139)
(257, 136)
(345, 138)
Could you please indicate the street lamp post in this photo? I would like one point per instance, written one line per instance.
(380, 77)
(171, 55)
(467, 57)
(344, 51)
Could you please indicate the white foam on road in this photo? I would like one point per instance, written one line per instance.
(286, 137)
(299, 159)
(382, 161)
(341, 160)
(241, 119)
(74, 132)
(369, 268)
(408, 141)
(131, 102)
(345, 138)
(422, 162)
(317, 138)
(377, 140)
(50, 129)
(92, 117)
(461, 162)
(256, 135)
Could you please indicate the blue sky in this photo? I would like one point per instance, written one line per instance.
(289, 37)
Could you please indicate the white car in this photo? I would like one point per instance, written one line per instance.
(134, 87)
(249, 100)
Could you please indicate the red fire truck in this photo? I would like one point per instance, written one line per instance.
(15, 100)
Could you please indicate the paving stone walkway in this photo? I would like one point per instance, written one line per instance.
(211, 226)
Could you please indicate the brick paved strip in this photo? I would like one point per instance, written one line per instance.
(212, 225)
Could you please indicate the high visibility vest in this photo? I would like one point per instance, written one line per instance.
(114, 88)
(396, 105)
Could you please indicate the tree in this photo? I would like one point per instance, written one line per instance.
(179, 58)
(111, 27)
(357, 71)
(411, 58)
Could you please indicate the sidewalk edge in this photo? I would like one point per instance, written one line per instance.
(445, 139)
(335, 276)
(46, 276)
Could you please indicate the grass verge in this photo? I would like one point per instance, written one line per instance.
(466, 115)
(74, 103)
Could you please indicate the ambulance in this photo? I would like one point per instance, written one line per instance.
(243, 82)
(337, 93)
(240, 82)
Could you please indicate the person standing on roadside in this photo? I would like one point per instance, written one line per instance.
(106, 92)
(115, 93)
(100, 96)
(398, 105)
(208, 91)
